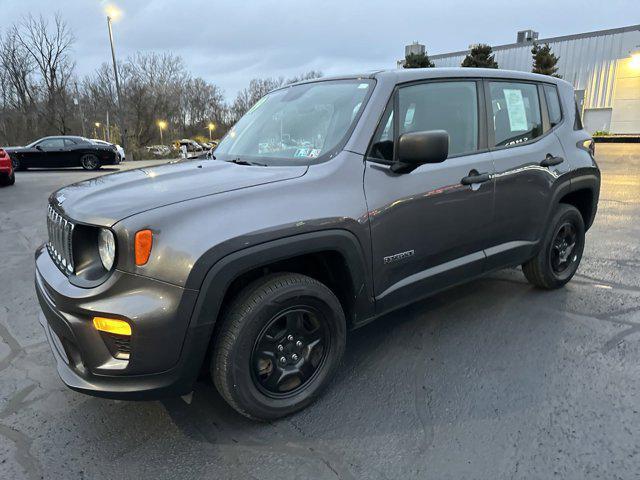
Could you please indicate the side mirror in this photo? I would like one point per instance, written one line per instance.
(417, 148)
(38, 147)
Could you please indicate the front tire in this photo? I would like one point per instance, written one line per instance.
(90, 162)
(280, 343)
(561, 251)
(17, 165)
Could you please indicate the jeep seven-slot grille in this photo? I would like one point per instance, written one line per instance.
(60, 240)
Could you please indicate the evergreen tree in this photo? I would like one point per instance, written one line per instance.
(480, 56)
(544, 60)
(418, 60)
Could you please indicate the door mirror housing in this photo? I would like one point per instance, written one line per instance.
(39, 148)
(417, 148)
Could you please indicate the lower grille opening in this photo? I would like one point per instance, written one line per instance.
(119, 345)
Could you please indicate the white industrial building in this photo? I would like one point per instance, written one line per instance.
(604, 67)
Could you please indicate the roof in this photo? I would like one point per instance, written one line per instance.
(76, 137)
(400, 75)
(563, 38)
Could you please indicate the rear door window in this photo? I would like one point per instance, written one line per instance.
(515, 108)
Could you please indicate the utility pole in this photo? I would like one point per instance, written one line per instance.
(108, 128)
(79, 104)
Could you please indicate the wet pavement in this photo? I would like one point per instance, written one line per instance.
(492, 379)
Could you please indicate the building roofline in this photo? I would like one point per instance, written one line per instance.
(575, 36)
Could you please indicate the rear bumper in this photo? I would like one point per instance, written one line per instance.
(163, 361)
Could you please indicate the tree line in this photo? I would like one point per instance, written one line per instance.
(41, 93)
(544, 61)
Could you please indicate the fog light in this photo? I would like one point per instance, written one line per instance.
(111, 325)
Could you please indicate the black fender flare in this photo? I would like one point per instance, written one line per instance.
(225, 270)
(577, 180)
(588, 179)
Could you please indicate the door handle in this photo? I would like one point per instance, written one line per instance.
(550, 161)
(475, 177)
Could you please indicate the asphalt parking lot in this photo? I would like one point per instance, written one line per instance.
(490, 380)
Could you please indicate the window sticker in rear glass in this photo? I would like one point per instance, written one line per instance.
(516, 109)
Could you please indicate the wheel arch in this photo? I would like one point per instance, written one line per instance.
(334, 257)
(584, 195)
(581, 189)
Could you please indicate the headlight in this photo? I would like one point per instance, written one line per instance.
(106, 248)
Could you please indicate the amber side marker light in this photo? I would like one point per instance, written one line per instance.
(112, 325)
(143, 244)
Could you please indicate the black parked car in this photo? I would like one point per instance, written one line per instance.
(63, 151)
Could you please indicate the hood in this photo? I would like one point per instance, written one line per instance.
(107, 199)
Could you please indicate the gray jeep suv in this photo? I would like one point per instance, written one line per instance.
(329, 204)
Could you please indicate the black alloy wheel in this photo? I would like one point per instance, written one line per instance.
(560, 250)
(289, 351)
(278, 345)
(563, 249)
(90, 162)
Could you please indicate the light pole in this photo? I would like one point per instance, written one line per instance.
(96, 129)
(212, 127)
(78, 103)
(161, 126)
(112, 14)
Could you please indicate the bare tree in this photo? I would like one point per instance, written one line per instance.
(18, 93)
(201, 103)
(49, 48)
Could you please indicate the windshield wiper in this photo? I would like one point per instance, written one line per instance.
(239, 161)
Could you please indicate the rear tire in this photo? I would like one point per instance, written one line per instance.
(6, 180)
(559, 256)
(90, 162)
(278, 346)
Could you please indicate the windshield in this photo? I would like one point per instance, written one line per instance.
(296, 125)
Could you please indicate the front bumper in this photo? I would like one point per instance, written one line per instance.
(166, 352)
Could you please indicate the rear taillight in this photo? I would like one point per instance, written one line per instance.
(589, 146)
(5, 161)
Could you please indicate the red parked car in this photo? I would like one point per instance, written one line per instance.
(7, 176)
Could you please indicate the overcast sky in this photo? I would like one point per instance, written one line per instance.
(230, 42)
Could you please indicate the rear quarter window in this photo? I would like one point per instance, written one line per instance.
(577, 124)
(553, 104)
